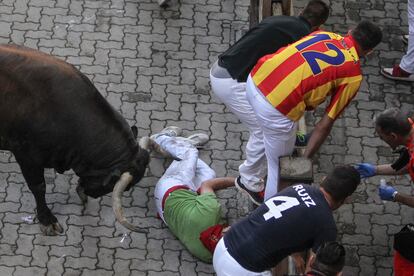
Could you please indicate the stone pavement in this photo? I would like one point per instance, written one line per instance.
(152, 65)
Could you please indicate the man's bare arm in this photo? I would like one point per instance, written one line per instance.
(319, 134)
(215, 184)
(404, 199)
(388, 170)
(300, 264)
(310, 260)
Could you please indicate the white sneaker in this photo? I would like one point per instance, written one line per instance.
(198, 140)
(405, 38)
(149, 144)
(172, 131)
(163, 3)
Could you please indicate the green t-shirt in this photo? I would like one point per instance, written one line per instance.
(188, 214)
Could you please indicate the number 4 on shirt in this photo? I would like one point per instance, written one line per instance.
(275, 211)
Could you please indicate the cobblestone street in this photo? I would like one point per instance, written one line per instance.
(152, 64)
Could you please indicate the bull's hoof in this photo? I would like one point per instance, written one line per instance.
(81, 193)
(51, 229)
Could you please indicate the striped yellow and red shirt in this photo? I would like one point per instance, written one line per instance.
(302, 75)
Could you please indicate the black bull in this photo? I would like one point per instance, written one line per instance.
(52, 116)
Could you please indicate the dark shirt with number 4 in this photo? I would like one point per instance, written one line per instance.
(295, 219)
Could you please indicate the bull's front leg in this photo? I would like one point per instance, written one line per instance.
(36, 182)
(48, 222)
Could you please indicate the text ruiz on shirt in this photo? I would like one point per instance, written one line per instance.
(304, 195)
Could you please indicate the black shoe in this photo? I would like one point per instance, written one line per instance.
(256, 197)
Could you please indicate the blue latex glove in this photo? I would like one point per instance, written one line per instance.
(387, 192)
(365, 169)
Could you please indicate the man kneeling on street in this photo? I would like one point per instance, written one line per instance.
(295, 219)
(184, 196)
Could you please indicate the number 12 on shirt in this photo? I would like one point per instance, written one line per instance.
(312, 56)
(275, 211)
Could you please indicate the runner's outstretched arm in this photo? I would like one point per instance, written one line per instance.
(214, 184)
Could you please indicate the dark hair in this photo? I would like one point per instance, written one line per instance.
(392, 120)
(341, 182)
(367, 35)
(316, 12)
(330, 259)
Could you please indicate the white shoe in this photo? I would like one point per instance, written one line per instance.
(147, 143)
(197, 139)
(163, 3)
(151, 146)
(172, 131)
(405, 38)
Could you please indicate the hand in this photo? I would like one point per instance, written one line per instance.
(366, 169)
(299, 263)
(387, 192)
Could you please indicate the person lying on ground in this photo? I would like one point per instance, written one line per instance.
(184, 195)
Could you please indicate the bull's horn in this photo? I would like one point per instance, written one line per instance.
(119, 188)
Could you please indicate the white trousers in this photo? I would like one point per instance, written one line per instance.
(407, 61)
(190, 171)
(225, 265)
(279, 134)
(233, 95)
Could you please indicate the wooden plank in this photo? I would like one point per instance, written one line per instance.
(266, 8)
(287, 7)
(254, 13)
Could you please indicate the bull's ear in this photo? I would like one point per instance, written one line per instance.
(134, 130)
